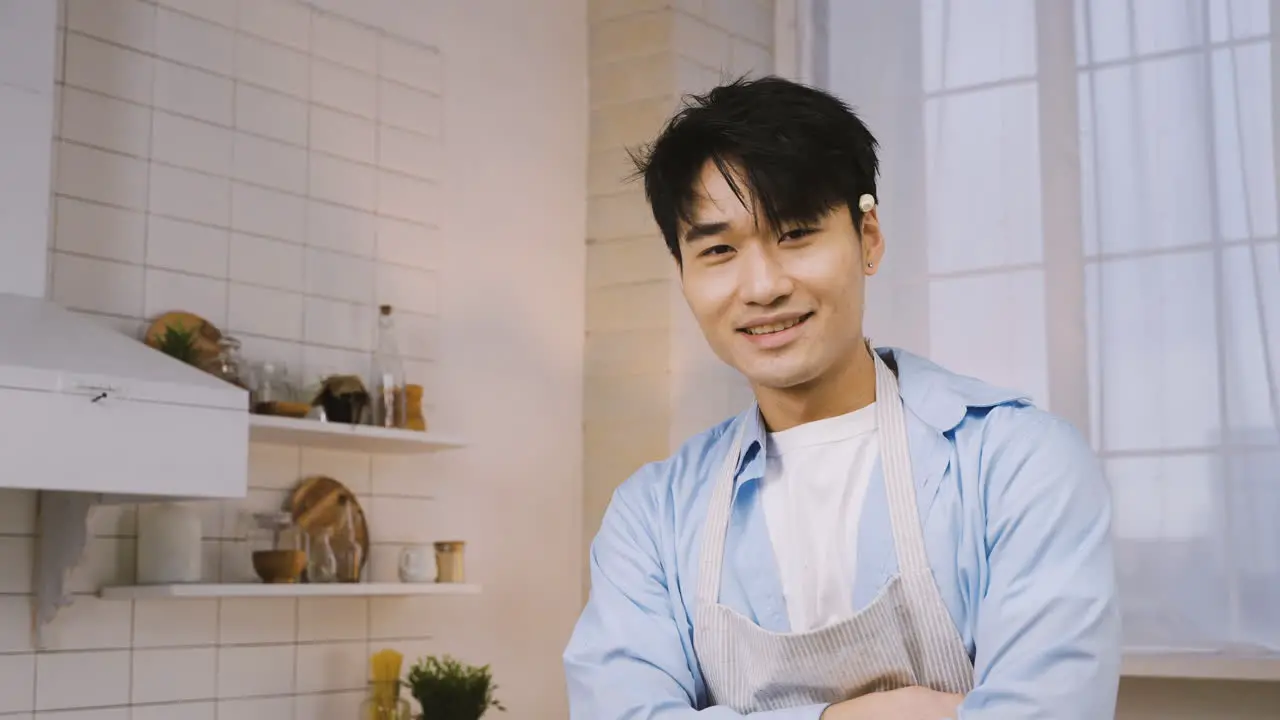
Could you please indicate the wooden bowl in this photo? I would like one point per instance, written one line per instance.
(279, 566)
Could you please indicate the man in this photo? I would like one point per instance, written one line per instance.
(876, 538)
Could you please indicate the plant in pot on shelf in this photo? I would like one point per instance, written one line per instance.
(451, 690)
(179, 343)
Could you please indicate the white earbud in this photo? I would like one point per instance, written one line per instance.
(866, 203)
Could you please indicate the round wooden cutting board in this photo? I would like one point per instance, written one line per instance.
(314, 505)
(206, 334)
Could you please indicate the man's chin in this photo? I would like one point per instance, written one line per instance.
(780, 378)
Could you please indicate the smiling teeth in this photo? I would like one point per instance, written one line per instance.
(776, 327)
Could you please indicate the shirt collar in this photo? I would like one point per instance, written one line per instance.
(938, 397)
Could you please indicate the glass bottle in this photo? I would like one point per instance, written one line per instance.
(347, 549)
(322, 564)
(388, 374)
(383, 702)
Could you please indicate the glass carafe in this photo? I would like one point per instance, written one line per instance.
(322, 564)
(346, 546)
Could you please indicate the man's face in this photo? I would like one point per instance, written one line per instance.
(781, 305)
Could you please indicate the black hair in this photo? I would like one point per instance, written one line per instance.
(801, 152)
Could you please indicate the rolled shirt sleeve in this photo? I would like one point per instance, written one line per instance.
(627, 659)
(1048, 629)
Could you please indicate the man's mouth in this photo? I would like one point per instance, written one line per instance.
(776, 327)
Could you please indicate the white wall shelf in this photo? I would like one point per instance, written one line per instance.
(345, 436)
(242, 590)
(1202, 666)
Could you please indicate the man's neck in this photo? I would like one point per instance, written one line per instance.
(849, 387)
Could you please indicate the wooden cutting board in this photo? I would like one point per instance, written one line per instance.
(206, 334)
(315, 507)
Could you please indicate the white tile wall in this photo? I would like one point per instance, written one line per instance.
(215, 147)
(265, 165)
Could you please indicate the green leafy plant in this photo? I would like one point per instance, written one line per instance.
(450, 690)
(179, 343)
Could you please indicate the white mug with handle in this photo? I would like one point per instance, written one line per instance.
(417, 564)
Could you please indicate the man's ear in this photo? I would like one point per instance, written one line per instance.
(872, 241)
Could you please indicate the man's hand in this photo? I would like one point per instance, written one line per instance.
(909, 703)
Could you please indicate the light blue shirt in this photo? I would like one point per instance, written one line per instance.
(1017, 522)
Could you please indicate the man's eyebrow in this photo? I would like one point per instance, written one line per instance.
(698, 231)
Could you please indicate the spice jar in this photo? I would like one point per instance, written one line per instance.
(228, 364)
(449, 565)
(412, 413)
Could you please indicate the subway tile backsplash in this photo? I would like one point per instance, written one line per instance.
(237, 160)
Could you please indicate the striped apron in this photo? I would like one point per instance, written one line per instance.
(904, 637)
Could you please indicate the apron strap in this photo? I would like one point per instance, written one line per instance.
(716, 525)
(899, 482)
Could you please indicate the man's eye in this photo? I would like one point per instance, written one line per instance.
(715, 250)
(798, 233)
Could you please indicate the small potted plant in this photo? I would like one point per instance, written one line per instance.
(450, 690)
(179, 343)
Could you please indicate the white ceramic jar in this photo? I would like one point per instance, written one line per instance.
(168, 544)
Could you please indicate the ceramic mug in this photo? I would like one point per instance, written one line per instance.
(417, 564)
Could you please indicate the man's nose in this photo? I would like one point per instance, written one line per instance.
(764, 280)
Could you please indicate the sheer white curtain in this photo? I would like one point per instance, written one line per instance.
(1079, 198)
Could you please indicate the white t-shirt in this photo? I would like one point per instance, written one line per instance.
(815, 480)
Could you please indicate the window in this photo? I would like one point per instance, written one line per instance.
(1079, 200)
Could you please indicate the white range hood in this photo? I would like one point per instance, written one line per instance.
(92, 416)
(86, 409)
(91, 410)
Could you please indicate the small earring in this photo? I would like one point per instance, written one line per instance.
(871, 264)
